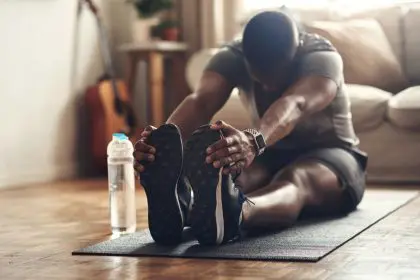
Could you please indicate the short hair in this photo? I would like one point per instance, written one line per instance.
(268, 39)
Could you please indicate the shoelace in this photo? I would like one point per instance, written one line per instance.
(242, 198)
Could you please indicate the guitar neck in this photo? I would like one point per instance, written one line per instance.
(105, 49)
(106, 53)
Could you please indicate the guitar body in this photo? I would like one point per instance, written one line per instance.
(103, 119)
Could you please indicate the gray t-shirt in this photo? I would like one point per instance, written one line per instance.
(331, 127)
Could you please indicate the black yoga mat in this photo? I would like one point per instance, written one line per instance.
(309, 240)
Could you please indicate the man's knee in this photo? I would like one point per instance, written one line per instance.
(296, 174)
(254, 177)
(317, 182)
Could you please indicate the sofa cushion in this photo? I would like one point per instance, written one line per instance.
(404, 108)
(391, 20)
(367, 54)
(368, 106)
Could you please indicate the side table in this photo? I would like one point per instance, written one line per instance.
(154, 53)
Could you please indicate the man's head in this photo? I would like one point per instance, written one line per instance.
(270, 40)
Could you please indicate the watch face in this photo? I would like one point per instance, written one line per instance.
(260, 141)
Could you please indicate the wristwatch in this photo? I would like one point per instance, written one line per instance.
(258, 139)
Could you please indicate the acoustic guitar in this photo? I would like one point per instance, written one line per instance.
(108, 104)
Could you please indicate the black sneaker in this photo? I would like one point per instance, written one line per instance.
(217, 210)
(167, 201)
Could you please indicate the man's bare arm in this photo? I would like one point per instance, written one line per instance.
(307, 96)
(200, 107)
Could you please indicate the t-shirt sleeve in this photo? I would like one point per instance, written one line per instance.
(323, 63)
(229, 64)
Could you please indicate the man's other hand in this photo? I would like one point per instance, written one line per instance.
(235, 151)
(142, 151)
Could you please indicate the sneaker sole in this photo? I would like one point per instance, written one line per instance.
(159, 181)
(207, 219)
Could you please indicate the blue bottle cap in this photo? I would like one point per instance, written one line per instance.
(120, 136)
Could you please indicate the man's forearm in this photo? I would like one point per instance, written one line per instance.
(189, 115)
(280, 118)
(310, 95)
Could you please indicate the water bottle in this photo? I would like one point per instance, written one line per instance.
(121, 183)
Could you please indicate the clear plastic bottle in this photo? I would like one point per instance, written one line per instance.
(121, 183)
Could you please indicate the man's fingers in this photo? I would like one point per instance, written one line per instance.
(150, 149)
(228, 160)
(219, 125)
(140, 143)
(146, 132)
(140, 156)
(144, 151)
(149, 128)
(235, 168)
(143, 147)
(222, 153)
(225, 142)
(138, 167)
(225, 128)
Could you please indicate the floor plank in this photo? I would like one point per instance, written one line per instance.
(41, 225)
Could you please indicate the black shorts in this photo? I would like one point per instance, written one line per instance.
(349, 164)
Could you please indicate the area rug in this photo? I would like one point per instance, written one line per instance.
(308, 240)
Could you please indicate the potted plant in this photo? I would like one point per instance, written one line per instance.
(168, 30)
(147, 16)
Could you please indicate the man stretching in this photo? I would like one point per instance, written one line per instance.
(300, 158)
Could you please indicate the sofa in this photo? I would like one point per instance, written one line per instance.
(381, 55)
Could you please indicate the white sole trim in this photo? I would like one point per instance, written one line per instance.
(220, 223)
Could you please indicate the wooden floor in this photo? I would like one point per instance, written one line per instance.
(41, 225)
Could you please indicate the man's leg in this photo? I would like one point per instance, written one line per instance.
(262, 170)
(313, 185)
(253, 177)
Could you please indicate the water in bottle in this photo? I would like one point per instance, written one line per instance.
(121, 183)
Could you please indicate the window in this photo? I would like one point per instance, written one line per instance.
(249, 5)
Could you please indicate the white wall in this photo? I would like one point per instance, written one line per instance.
(41, 122)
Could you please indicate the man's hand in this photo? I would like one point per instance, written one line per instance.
(235, 151)
(142, 151)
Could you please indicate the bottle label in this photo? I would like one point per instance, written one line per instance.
(120, 160)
